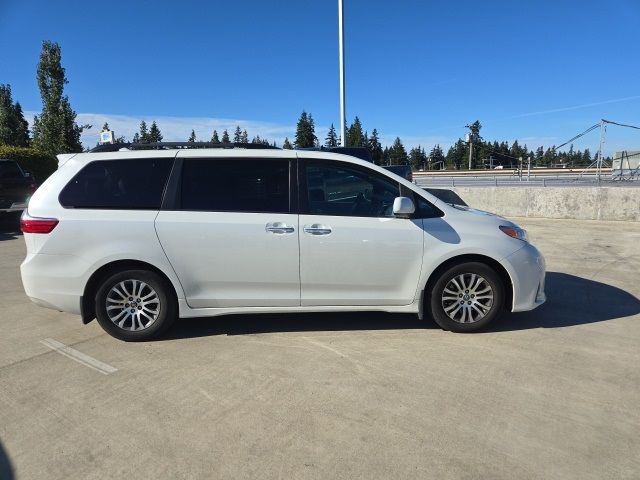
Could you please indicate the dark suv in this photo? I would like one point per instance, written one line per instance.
(16, 186)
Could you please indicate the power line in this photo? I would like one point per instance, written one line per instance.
(620, 124)
(590, 129)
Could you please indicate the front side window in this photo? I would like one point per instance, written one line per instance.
(131, 184)
(334, 188)
(235, 185)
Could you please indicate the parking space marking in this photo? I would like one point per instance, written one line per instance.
(79, 357)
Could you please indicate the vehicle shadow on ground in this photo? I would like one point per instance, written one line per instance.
(571, 300)
(9, 226)
(6, 470)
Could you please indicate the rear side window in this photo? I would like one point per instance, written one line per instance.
(135, 184)
(235, 185)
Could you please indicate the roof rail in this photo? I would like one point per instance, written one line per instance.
(114, 147)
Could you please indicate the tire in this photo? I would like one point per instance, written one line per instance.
(467, 297)
(141, 305)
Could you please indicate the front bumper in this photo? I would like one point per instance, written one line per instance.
(527, 269)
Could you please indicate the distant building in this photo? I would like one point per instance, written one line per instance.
(626, 164)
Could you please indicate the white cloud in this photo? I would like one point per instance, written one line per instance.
(177, 128)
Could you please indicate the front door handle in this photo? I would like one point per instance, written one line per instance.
(279, 228)
(317, 229)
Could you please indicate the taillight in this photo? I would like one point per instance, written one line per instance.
(37, 225)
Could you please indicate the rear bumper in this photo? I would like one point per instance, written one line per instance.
(527, 269)
(54, 281)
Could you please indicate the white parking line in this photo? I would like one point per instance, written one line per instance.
(79, 357)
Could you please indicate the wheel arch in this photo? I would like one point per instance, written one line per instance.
(507, 282)
(87, 301)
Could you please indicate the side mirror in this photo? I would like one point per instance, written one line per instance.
(403, 206)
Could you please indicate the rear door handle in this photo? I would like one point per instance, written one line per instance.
(279, 228)
(317, 229)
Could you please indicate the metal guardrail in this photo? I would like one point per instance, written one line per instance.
(532, 181)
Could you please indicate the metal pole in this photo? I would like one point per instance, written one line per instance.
(343, 132)
(470, 149)
(529, 168)
(600, 153)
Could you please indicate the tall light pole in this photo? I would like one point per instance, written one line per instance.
(343, 132)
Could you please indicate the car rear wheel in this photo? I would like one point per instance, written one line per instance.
(467, 297)
(135, 305)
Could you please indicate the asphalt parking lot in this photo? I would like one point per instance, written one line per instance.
(553, 393)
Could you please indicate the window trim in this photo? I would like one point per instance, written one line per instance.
(172, 161)
(173, 198)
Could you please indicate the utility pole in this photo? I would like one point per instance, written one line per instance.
(601, 152)
(343, 133)
(473, 135)
(529, 168)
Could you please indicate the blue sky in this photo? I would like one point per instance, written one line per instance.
(537, 71)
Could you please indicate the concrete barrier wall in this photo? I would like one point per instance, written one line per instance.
(583, 203)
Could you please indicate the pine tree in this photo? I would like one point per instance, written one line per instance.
(397, 153)
(332, 138)
(14, 129)
(355, 136)
(305, 131)
(55, 130)
(143, 135)
(154, 133)
(375, 148)
(192, 137)
(136, 138)
(287, 145)
(244, 138)
(436, 157)
(225, 137)
(214, 137)
(237, 135)
(417, 157)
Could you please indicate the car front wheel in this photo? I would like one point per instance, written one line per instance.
(467, 297)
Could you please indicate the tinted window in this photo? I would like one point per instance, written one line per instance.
(118, 184)
(10, 170)
(337, 189)
(235, 185)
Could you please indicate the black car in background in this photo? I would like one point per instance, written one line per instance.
(16, 186)
(402, 170)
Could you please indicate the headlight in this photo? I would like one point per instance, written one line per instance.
(515, 232)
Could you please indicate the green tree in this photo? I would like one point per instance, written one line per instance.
(436, 157)
(225, 137)
(244, 138)
(237, 135)
(375, 148)
(14, 129)
(154, 133)
(397, 153)
(305, 131)
(286, 144)
(332, 138)
(143, 135)
(417, 157)
(55, 130)
(192, 137)
(214, 137)
(355, 135)
(457, 155)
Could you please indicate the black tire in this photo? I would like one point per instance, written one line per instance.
(165, 312)
(491, 308)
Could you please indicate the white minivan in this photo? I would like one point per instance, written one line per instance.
(139, 237)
